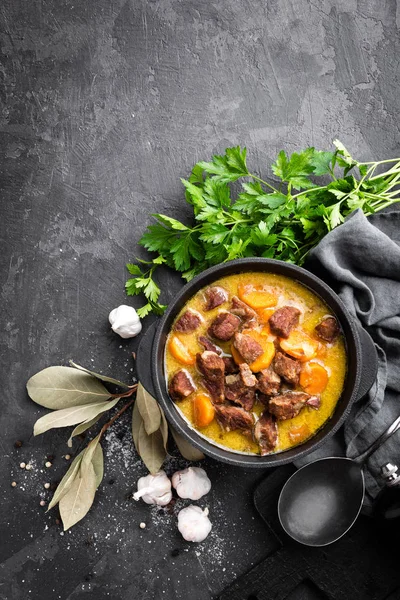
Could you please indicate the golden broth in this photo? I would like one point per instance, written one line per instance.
(333, 359)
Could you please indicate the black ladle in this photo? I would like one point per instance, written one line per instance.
(321, 501)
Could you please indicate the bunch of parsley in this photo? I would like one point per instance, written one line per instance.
(282, 221)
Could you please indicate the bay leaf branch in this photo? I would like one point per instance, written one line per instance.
(67, 480)
(64, 387)
(72, 415)
(75, 504)
(99, 376)
(98, 464)
(151, 449)
(149, 409)
(164, 428)
(82, 427)
(137, 421)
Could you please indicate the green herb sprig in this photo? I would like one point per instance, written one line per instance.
(284, 220)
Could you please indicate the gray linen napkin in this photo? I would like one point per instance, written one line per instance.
(360, 260)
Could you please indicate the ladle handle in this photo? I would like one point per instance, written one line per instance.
(381, 439)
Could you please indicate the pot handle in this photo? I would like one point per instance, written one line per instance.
(369, 362)
(144, 358)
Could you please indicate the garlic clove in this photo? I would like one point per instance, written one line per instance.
(125, 321)
(194, 524)
(154, 489)
(191, 483)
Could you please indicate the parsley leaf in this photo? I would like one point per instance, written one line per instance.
(295, 170)
(259, 219)
(322, 162)
(229, 167)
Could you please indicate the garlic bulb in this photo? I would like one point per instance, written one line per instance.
(191, 483)
(154, 489)
(194, 524)
(124, 320)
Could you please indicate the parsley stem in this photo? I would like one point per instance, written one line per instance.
(380, 162)
(314, 189)
(393, 171)
(264, 182)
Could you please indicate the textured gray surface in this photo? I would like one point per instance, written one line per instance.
(104, 105)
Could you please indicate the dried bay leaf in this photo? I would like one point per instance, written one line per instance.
(89, 453)
(81, 428)
(149, 410)
(98, 464)
(151, 449)
(72, 415)
(75, 504)
(67, 480)
(63, 387)
(136, 424)
(99, 376)
(187, 450)
(164, 428)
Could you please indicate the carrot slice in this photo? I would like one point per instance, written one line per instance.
(300, 345)
(256, 296)
(299, 433)
(264, 314)
(180, 351)
(264, 361)
(203, 410)
(266, 332)
(313, 378)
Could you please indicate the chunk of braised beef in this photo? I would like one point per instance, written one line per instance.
(263, 398)
(287, 368)
(224, 326)
(284, 320)
(266, 433)
(233, 387)
(215, 296)
(187, 322)
(269, 382)
(314, 402)
(233, 417)
(247, 376)
(328, 330)
(216, 389)
(230, 365)
(247, 399)
(212, 367)
(248, 348)
(181, 385)
(248, 315)
(237, 392)
(208, 345)
(289, 404)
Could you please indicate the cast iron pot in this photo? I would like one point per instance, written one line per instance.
(361, 354)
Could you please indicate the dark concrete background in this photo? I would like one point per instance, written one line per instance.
(104, 105)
